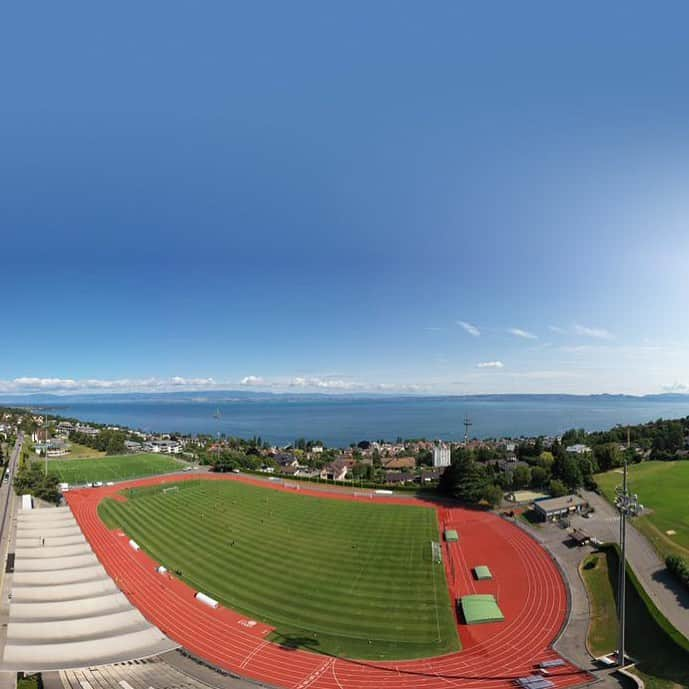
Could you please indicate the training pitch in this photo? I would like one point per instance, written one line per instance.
(348, 579)
(662, 488)
(113, 468)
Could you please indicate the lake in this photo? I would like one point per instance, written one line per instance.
(341, 421)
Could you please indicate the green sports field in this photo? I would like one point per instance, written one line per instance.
(349, 579)
(663, 488)
(113, 468)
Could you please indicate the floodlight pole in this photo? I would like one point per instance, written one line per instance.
(623, 570)
(627, 505)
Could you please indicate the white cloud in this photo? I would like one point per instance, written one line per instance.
(490, 364)
(518, 332)
(557, 329)
(598, 333)
(252, 380)
(468, 327)
(179, 381)
(43, 383)
(325, 383)
(28, 384)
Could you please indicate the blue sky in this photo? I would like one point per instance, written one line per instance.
(355, 196)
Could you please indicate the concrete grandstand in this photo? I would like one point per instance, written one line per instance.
(65, 611)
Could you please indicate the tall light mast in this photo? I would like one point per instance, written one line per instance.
(467, 425)
(628, 506)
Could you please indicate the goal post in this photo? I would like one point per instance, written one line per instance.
(436, 552)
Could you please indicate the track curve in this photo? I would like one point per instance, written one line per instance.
(526, 582)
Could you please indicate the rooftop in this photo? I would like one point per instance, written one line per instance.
(562, 503)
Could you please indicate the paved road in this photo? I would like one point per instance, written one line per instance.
(6, 488)
(668, 595)
(572, 641)
(8, 680)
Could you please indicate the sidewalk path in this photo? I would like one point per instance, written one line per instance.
(669, 596)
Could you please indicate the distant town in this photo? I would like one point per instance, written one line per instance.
(555, 465)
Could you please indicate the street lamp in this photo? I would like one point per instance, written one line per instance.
(628, 506)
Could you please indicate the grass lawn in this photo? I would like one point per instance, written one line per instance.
(77, 451)
(348, 579)
(113, 468)
(602, 636)
(663, 488)
(662, 663)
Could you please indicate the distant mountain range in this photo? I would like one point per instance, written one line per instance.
(38, 398)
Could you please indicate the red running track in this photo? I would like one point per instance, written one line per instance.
(526, 583)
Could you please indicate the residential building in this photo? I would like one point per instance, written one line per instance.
(86, 430)
(169, 447)
(285, 460)
(337, 470)
(399, 477)
(54, 447)
(429, 475)
(64, 428)
(441, 455)
(400, 463)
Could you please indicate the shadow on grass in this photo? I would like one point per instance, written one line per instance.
(657, 654)
(294, 642)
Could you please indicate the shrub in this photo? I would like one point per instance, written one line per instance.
(679, 568)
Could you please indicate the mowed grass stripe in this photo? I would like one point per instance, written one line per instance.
(277, 552)
(352, 579)
(216, 571)
(262, 594)
(278, 549)
(215, 566)
(112, 468)
(252, 564)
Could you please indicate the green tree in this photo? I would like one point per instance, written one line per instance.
(570, 471)
(608, 456)
(539, 477)
(557, 488)
(492, 494)
(521, 477)
(465, 479)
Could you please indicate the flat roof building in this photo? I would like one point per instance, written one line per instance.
(552, 509)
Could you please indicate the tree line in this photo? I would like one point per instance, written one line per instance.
(31, 478)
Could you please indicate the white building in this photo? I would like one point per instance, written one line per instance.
(578, 449)
(441, 455)
(168, 447)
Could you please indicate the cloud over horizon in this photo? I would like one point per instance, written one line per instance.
(252, 380)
